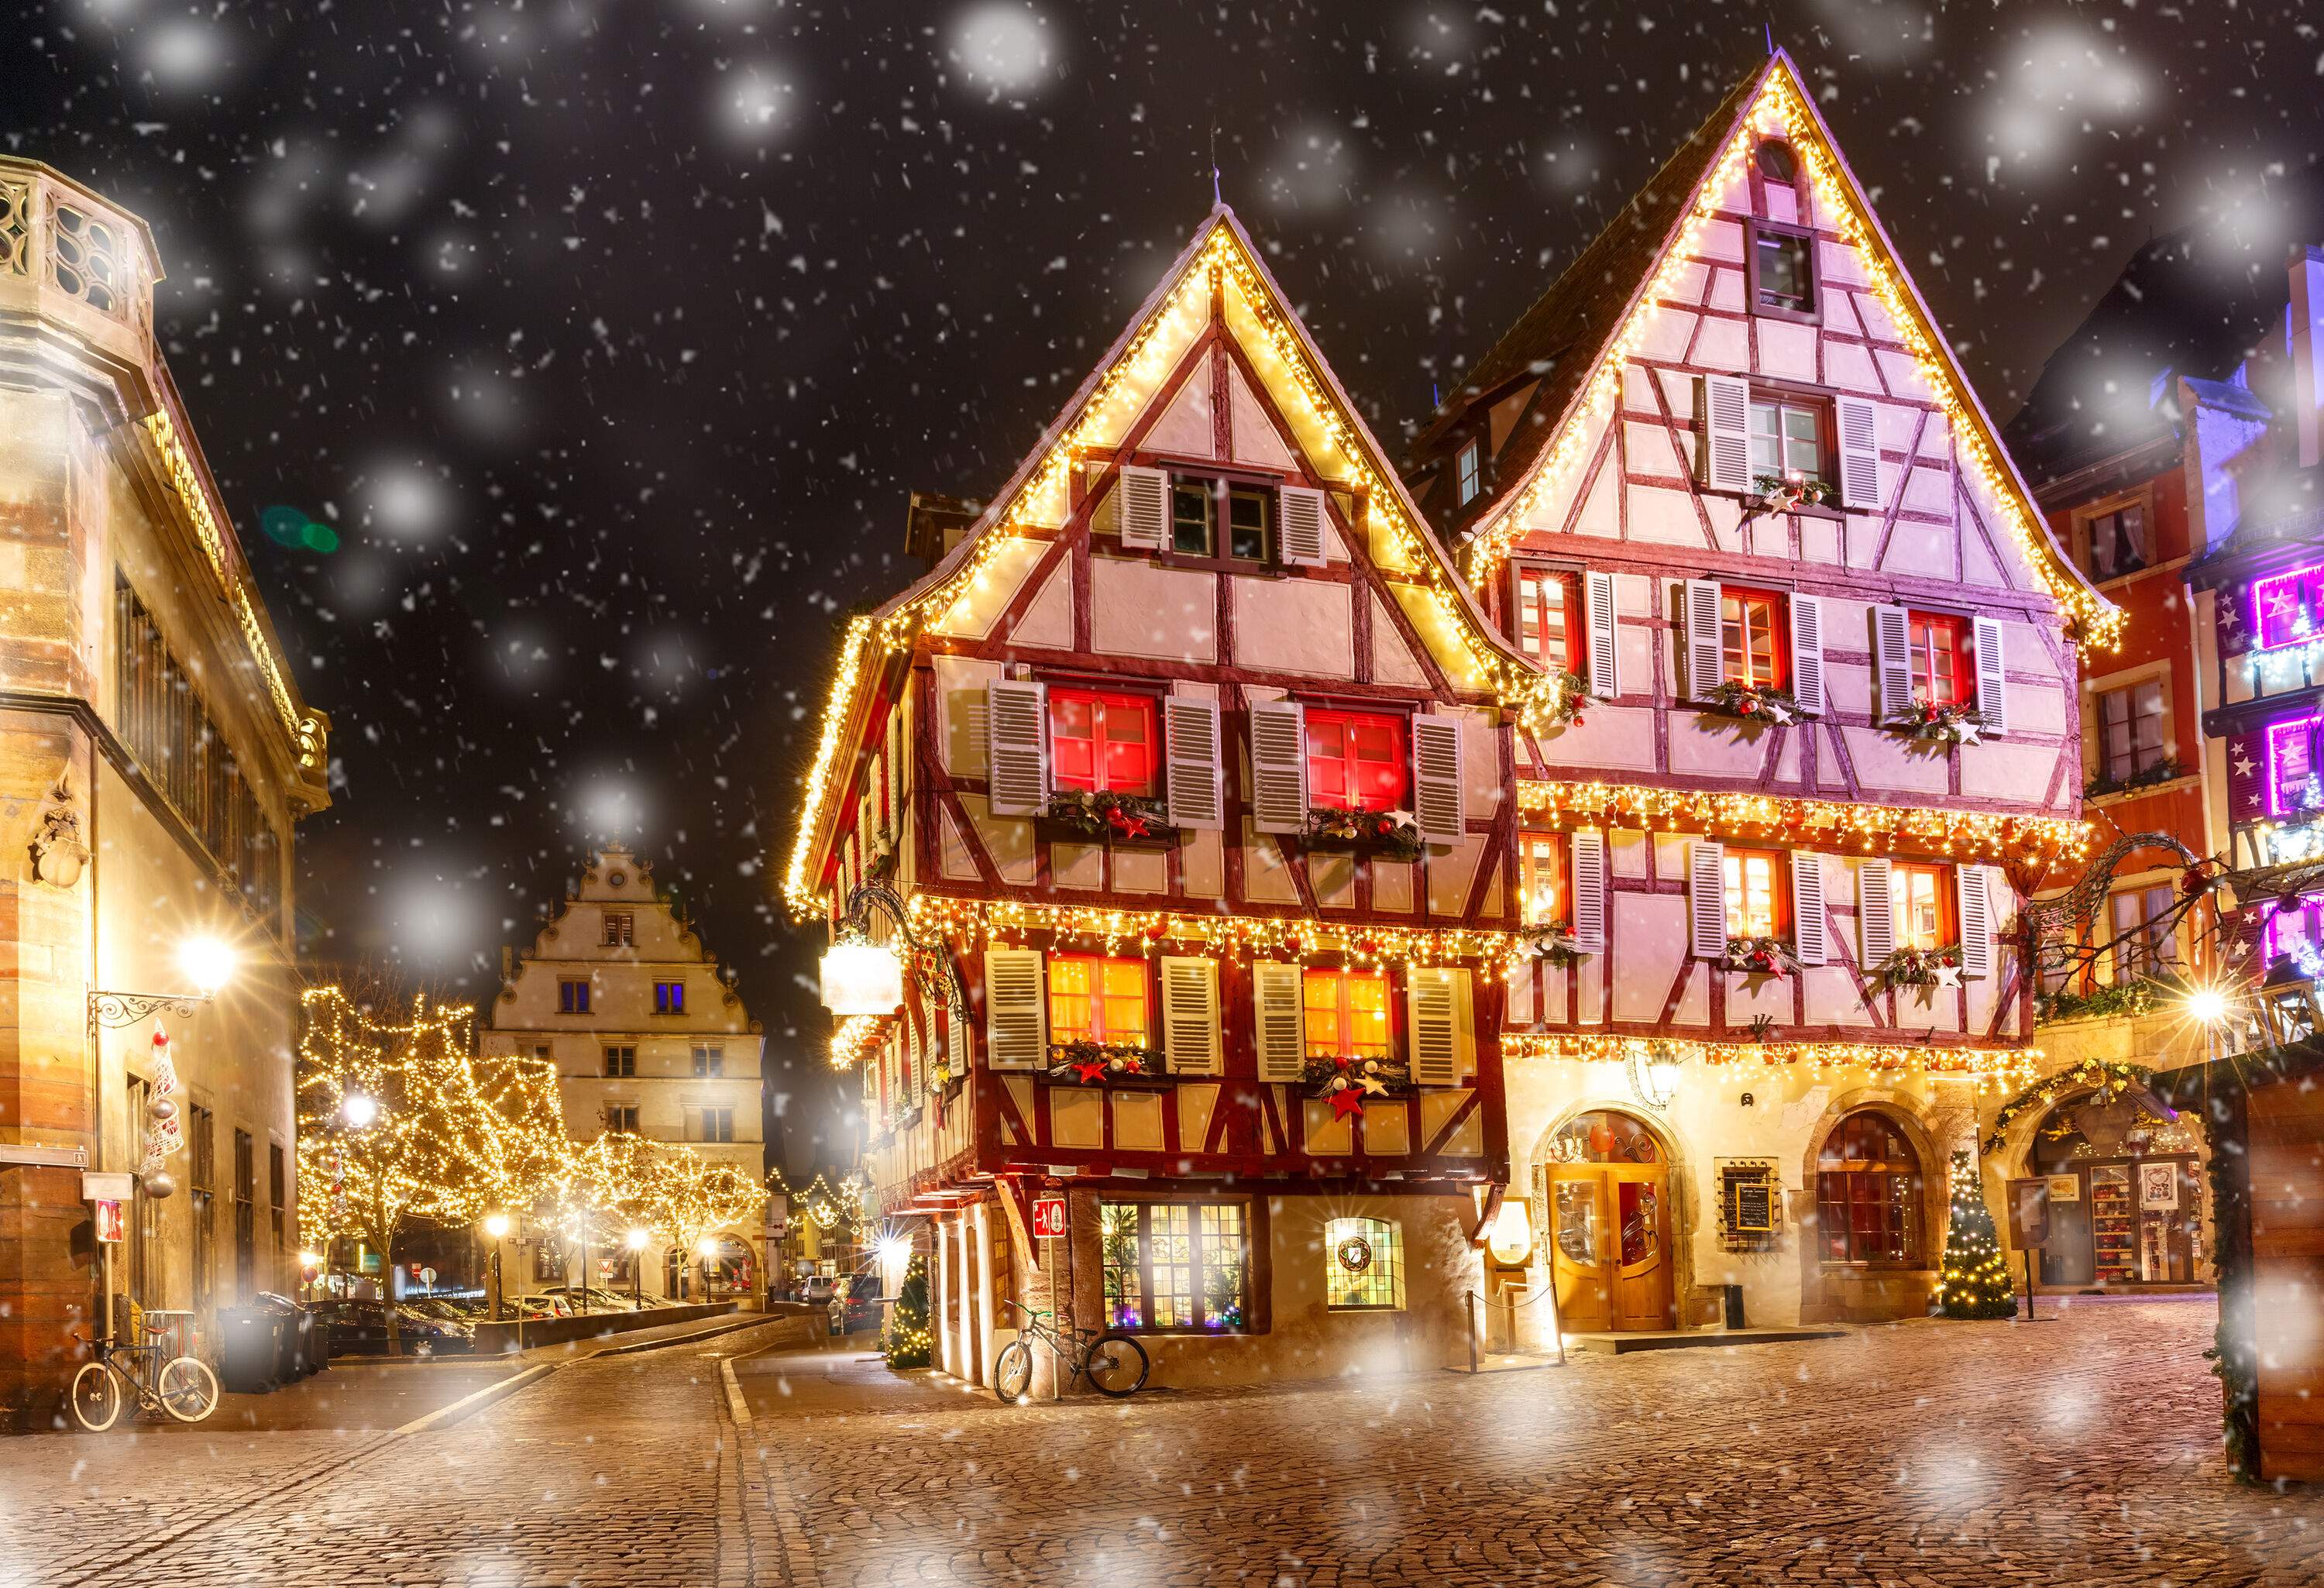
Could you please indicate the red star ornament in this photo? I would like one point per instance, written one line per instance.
(1089, 1069)
(1346, 1100)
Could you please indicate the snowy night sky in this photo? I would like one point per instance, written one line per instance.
(609, 335)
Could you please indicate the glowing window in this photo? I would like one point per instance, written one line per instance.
(1755, 894)
(1100, 740)
(1363, 1265)
(1094, 1000)
(1786, 438)
(1355, 760)
(1174, 1265)
(1943, 673)
(1546, 897)
(2286, 608)
(1347, 1014)
(1748, 623)
(1544, 617)
(1923, 906)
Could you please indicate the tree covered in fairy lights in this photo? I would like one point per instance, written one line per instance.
(1974, 1280)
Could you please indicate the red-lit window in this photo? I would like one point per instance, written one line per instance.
(1094, 1000)
(1756, 902)
(1944, 671)
(1750, 626)
(1355, 760)
(1347, 1013)
(1099, 740)
(1545, 617)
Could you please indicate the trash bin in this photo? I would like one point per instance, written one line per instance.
(251, 1348)
(302, 1347)
(1735, 1306)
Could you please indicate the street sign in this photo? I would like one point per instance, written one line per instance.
(107, 1187)
(108, 1220)
(1049, 1218)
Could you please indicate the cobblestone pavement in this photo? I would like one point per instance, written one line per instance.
(2083, 1451)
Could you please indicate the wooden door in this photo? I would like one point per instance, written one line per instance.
(1582, 1246)
(1639, 1195)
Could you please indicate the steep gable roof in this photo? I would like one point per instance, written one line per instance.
(1581, 332)
(1220, 258)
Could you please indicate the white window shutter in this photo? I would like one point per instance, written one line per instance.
(1704, 665)
(1278, 767)
(1193, 775)
(1279, 1020)
(1992, 682)
(1589, 922)
(1976, 920)
(1811, 928)
(1706, 883)
(1299, 532)
(1437, 807)
(1859, 453)
(1016, 755)
(1876, 914)
(1145, 511)
(1604, 671)
(1190, 1016)
(1726, 433)
(1435, 1027)
(1807, 653)
(1892, 660)
(1016, 1024)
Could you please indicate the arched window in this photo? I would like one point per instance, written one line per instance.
(1868, 1193)
(1363, 1265)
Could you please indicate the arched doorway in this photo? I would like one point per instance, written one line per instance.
(728, 1267)
(1607, 1183)
(1871, 1246)
(2125, 1193)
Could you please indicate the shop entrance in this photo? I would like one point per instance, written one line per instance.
(1608, 1192)
(2125, 1194)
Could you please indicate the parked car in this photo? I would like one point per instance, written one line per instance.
(814, 1289)
(600, 1299)
(428, 1334)
(548, 1305)
(859, 1309)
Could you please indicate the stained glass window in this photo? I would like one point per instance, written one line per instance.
(1363, 1265)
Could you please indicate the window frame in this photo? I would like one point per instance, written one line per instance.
(1557, 847)
(1147, 705)
(1779, 636)
(616, 1113)
(1097, 997)
(625, 1066)
(1257, 1278)
(2084, 538)
(1399, 726)
(2271, 739)
(1343, 977)
(1779, 891)
(1948, 902)
(573, 995)
(1923, 650)
(1817, 406)
(620, 928)
(1386, 1238)
(2140, 950)
(1468, 471)
(1754, 229)
(2136, 761)
(1219, 489)
(1521, 574)
(709, 1061)
(669, 997)
(724, 1114)
(1911, 1225)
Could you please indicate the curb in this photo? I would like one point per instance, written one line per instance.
(478, 1399)
(736, 1407)
(757, 1321)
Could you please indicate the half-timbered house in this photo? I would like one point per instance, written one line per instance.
(1726, 477)
(1184, 783)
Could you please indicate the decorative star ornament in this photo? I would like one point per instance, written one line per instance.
(1090, 1070)
(1372, 1086)
(1347, 1101)
(1948, 975)
(2245, 766)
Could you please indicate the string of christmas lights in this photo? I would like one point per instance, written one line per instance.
(1986, 1066)
(1973, 1282)
(1869, 828)
(1780, 109)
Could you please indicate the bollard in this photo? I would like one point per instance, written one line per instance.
(1472, 1295)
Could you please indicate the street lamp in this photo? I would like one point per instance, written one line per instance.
(206, 962)
(496, 1225)
(707, 1247)
(359, 1111)
(636, 1241)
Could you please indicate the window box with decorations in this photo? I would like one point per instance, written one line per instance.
(1124, 821)
(1107, 1064)
(1753, 703)
(2102, 784)
(1556, 944)
(1927, 723)
(907, 1114)
(1329, 1079)
(1761, 956)
(1386, 835)
(1919, 968)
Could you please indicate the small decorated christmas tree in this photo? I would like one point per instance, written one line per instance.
(909, 1338)
(1974, 1279)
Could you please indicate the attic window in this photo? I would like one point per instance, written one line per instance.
(1468, 474)
(1777, 162)
(1783, 272)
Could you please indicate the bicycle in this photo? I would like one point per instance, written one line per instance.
(1105, 1357)
(184, 1386)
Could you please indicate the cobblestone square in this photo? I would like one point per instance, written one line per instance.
(2082, 1451)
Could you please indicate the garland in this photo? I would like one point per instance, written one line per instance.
(1106, 815)
(1919, 967)
(1389, 834)
(2102, 1002)
(1928, 722)
(1754, 703)
(1573, 697)
(1761, 956)
(2100, 1073)
(1797, 486)
(1091, 1063)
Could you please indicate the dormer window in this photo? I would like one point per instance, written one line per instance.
(1468, 474)
(1783, 272)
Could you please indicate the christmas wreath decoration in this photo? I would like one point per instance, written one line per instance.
(1798, 488)
(1754, 703)
(1931, 723)
(1760, 956)
(1389, 834)
(1092, 1064)
(1104, 815)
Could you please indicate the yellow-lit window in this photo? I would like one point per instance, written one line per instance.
(1923, 906)
(1544, 880)
(1347, 1014)
(1363, 1265)
(1094, 1000)
(1755, 894)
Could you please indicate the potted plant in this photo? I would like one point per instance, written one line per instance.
(1754, 703)
(1126, 821)
(1388, 834)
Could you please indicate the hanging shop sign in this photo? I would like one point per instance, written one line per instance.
(107, 1186)
(1049, 1218)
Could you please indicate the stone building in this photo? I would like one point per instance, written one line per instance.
(155, 756)
(1726, 475)
(648, 1038)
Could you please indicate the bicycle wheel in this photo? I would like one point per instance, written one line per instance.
(96, 1397)
(1012, 1375)
(1116, 1366)
(188, 1390)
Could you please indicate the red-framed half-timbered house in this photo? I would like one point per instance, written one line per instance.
(1192, 756)
(1726, 477)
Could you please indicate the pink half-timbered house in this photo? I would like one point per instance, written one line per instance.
(1192, 756)
(1726, 476)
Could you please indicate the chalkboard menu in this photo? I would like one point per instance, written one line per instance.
(1747, 1202)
